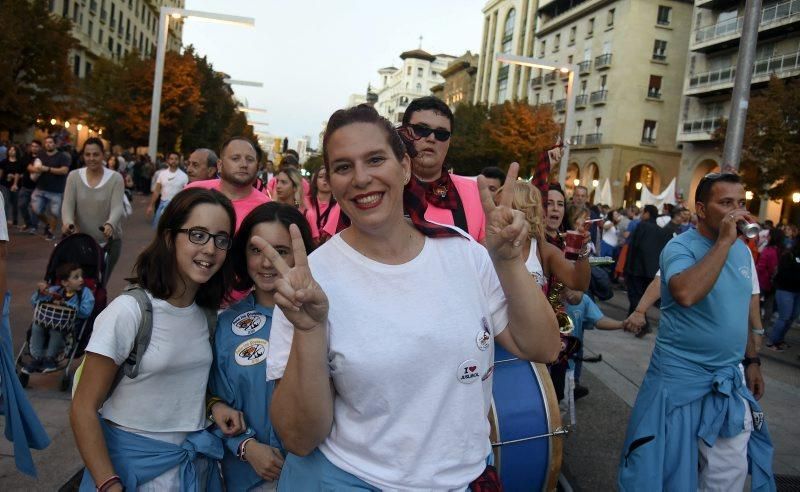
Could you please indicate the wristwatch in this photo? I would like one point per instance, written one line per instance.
(751, 360)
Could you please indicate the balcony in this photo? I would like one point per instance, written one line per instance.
(653, 93)
(576, 140)
(660, 57)
(585, 67)
(718, 80)
(599, 97)
(594, 138)
(550, 78)
(700, 129)
(774, 16)
(561, 105)
(603, 61)
(581, 100)
(93, 7)
(536, 81)
(648, 141)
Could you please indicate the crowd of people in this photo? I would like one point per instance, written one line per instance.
(339, 333)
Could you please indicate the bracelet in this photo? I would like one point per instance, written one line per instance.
(757, 331)
(211, 402)
(108, 483)
(242, 448)
(751, 360)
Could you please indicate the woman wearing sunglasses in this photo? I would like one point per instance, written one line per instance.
(135, 437)
(384, 340)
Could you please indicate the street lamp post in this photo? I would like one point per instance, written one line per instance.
(569, 69)
(161, 51)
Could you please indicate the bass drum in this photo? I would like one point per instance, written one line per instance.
(525, 423)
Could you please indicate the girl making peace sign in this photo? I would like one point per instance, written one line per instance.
(384, 341)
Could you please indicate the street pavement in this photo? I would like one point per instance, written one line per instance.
(591, 451)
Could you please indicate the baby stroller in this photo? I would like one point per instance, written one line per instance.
(83, 250)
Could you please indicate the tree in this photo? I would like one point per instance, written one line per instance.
(36, 80)
(313, 163)
(521, 132)
(118, 97)
(471, 149)
(771, 140)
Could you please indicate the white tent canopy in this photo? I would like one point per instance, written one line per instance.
(666, 196)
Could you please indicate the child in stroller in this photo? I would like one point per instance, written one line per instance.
(58, 308)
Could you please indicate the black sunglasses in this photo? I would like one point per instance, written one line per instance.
(200, 236)
(424, 131)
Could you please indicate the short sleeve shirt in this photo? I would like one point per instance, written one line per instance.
(52, 182)
(171, 183)
(584, 315)
(712, 332)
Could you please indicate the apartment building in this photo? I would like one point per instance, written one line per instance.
(508, 27)
(113, 28)
(459, 81)
(710, 72)
(399, 86)
(630, 61)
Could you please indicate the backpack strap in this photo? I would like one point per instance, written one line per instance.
(130, 367)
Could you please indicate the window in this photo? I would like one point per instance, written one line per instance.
(583, 87)
(420, 71)
(664, 15)
(75, 12)
(654, 87)
(536, 99)
(569, 59)
(649, 132)
(502, 89)
(508, 30)
(590, 28)
(603, 80)
(90, 29)
(556, 42)
(597, 123)
(419, 87)
(610, 17)
(111, 44)
(88, 70)
(550, 95)
(76, 68)
(119, 50)
(572, 31)
(542, 48)
(660, 50)
(408, 70)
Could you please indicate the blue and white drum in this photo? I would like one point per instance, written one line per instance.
(525, 423)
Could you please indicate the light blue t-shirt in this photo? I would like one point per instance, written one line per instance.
(712, 332)
(584, 315)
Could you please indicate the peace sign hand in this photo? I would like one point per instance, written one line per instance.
(506, 228)
(300, 297)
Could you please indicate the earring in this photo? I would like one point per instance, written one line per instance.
(406, 179)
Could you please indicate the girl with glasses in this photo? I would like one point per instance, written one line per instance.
(383, 346)
(253, 459)
(133, 437)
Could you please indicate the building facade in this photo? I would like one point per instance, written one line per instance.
(399, 86)
(708, 85)
(630, 59)
(508, 27)
(113, 28)
(459, 81)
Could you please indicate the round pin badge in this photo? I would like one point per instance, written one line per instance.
(483, 339)
(468, 372)
(248, 323)
(251, 352)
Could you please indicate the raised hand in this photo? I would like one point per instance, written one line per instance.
(506, 228)
(300, 297)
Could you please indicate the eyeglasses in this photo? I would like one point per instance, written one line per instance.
(424, 131)
(200, 236)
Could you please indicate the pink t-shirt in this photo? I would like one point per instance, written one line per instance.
(470, 199)
(311, 216)
(242, 206)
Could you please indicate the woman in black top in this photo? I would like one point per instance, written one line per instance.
(787, 297)
(10, 176)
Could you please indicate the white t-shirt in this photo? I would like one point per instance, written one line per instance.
(610, 235)
(171, 183)
(534, 266)
(411, 356)
(169, 392)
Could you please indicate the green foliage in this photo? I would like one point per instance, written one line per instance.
(771, 140)
(470, 146)
(313, 163)
(36, 79)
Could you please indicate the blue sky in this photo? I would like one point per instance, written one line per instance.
(311, 55)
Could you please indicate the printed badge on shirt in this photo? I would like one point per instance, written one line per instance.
(468, 372)
(484, 337)
(248, 323)
(251, 352)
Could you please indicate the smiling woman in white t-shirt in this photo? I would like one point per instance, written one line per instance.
(184, 270)
(384, 340)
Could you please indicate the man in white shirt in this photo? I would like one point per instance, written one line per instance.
(169, 182)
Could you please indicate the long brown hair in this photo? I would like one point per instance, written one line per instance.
(156, 267)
